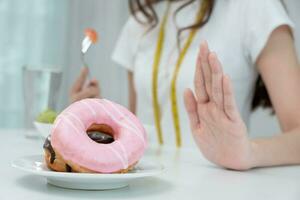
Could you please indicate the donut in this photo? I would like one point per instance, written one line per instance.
(95, 136)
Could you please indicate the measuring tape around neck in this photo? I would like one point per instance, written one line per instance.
(155, 69)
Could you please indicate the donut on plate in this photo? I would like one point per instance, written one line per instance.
(95, 136)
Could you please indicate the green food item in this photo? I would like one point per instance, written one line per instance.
(48, 116)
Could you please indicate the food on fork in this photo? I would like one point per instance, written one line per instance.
(95, 136)
(91, 34)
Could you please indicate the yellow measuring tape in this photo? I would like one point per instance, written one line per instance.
(157, 57)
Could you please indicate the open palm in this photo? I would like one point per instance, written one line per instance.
(215, 122)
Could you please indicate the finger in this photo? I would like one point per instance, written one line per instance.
(79, 82)
(229, 100)
(95, 84)
(200, 90)
(93, 91)
(89, 92)
(191, 108)
(217, 82)
(204, 51)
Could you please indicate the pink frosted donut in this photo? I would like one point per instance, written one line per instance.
(70, 140)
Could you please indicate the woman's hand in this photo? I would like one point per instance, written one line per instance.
(214, 118)
(81, 91)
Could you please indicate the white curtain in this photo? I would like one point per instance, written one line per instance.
(32, 32)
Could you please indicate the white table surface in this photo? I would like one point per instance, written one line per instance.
(187, 175)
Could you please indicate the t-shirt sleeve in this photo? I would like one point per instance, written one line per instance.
(127, 44)
(262, 18)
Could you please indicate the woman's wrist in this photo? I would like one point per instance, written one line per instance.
(255, 154)
(250, 158)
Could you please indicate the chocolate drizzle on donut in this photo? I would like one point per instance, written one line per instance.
(101, 133)
(47, 145)
(99, 137)
(68, 168)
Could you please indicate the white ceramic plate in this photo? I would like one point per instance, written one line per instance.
(85, 181)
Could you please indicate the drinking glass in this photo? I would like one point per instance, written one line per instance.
(41, 90)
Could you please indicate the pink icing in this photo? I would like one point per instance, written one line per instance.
(70, 139)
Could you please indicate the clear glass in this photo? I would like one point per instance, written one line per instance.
(41, 90)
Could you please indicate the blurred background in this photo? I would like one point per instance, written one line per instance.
(47, 34)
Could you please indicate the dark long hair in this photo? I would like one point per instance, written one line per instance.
(145, 7)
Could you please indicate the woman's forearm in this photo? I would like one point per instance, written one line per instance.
(283, 149)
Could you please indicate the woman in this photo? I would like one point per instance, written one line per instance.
(250, 39)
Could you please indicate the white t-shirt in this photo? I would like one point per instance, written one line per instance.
(237, 31)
